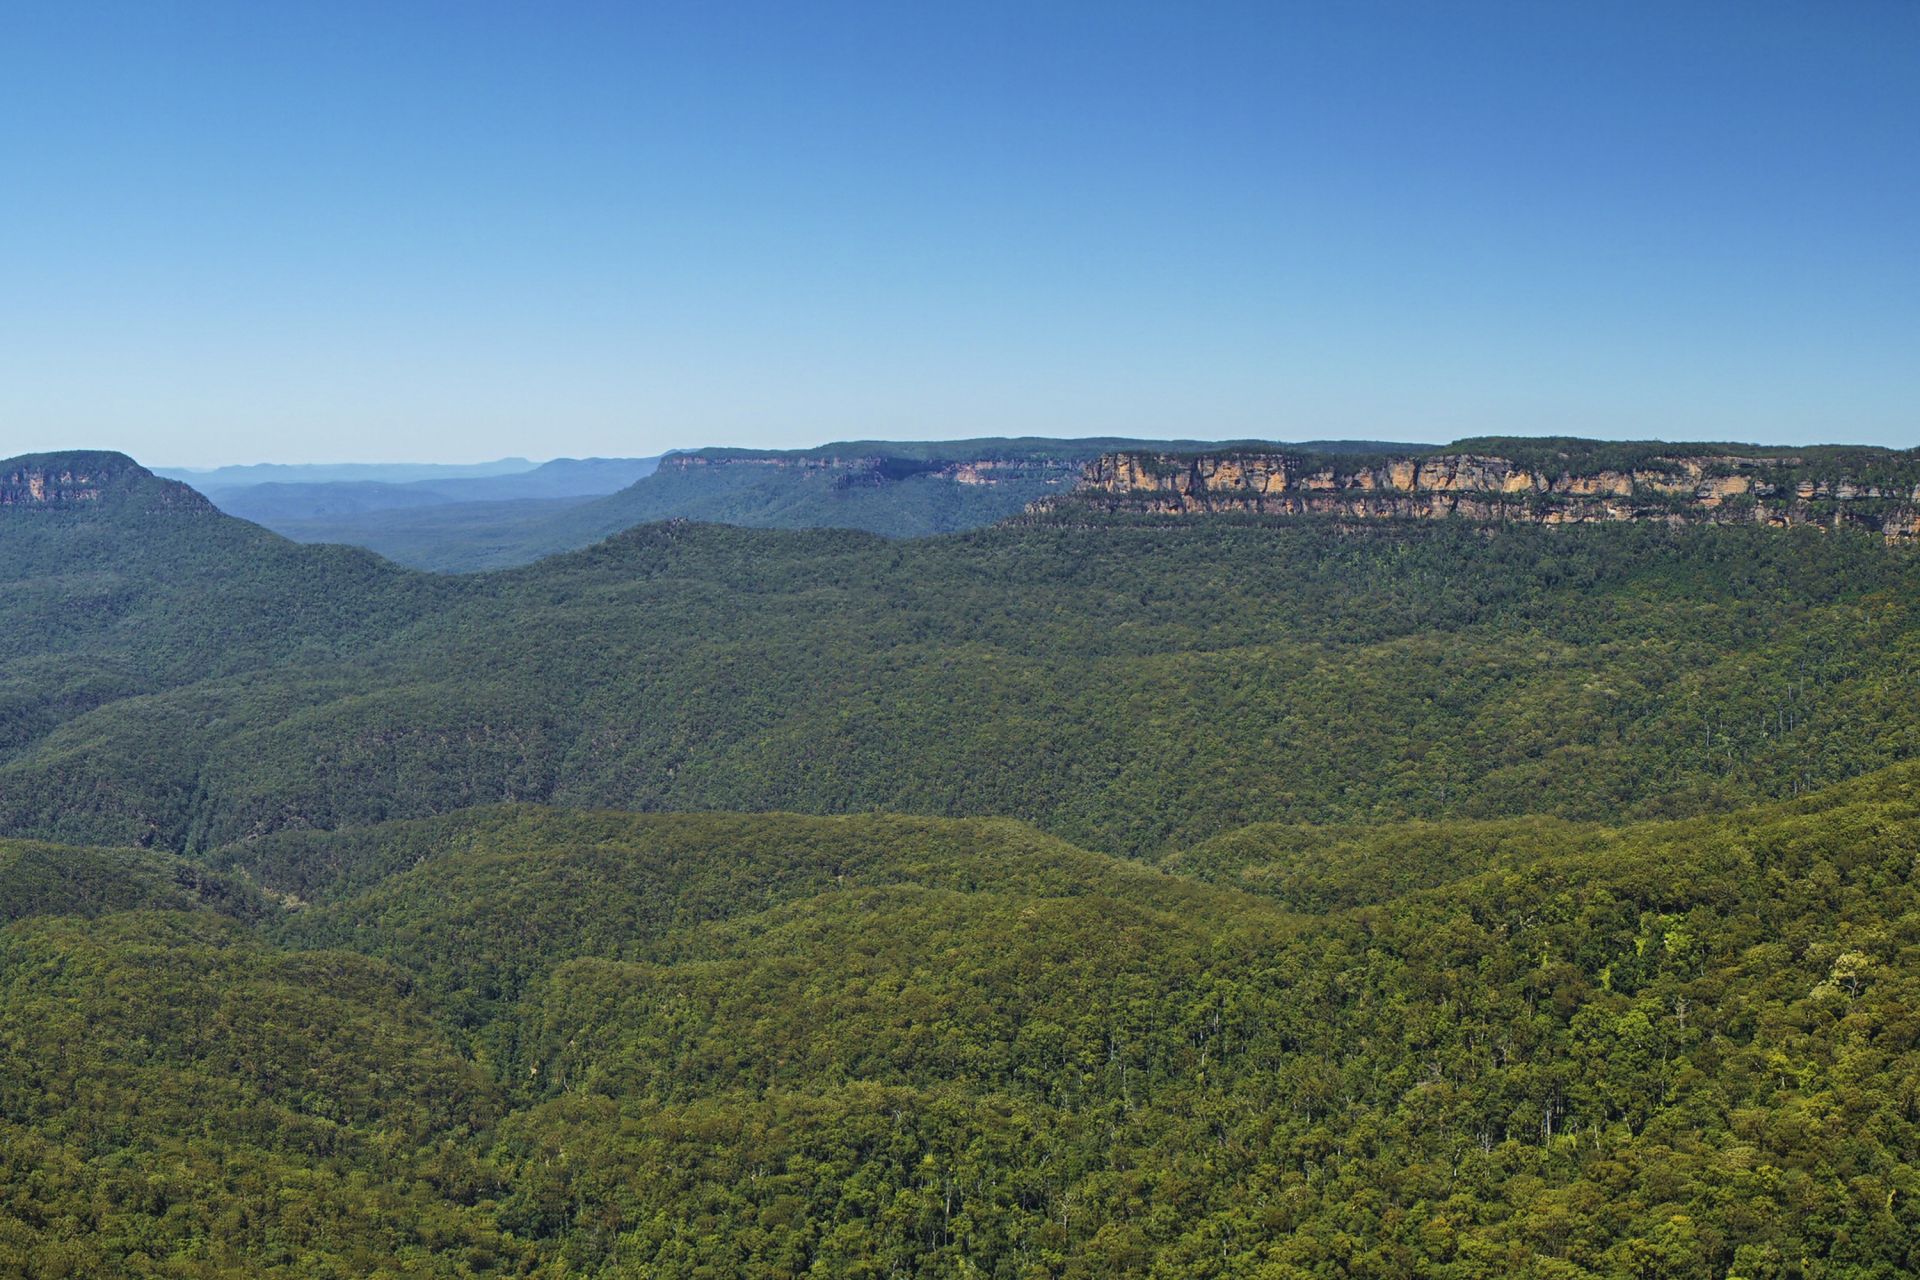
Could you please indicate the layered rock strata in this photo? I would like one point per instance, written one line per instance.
(1777, 491)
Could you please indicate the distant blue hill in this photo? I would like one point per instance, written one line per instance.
(207, 479)
(275, 502)
(894, 488)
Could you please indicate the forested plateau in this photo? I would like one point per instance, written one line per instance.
(1102, 893)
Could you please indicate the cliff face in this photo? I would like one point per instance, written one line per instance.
(1774, 490)
(81, 481)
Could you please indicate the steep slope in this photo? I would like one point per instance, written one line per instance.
(100, 556)
(86, 480)
(120, 585)
(47, 879)
(536, 886)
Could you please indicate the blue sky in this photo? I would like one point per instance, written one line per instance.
(287, 232)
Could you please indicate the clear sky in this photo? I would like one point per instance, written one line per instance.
(405, 230)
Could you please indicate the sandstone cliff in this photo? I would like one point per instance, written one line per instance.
(87, 480)
(1772, 488)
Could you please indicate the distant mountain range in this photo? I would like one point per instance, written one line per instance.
(464, 523)
(207, 479)
(279, 499)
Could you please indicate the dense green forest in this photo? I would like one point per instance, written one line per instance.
(525, 1041)
(1132, 687)
(1072, 897)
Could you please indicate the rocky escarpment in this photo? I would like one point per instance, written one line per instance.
(87, 480)
(1773, 489)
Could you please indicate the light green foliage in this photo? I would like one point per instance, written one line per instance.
(177, 1099)
(768, 1044)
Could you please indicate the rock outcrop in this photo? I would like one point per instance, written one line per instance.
(1777, 489)
(84, 480)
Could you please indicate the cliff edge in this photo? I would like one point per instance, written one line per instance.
(1584, 482)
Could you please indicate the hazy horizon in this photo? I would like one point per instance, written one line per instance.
(532, 460)
(159, 464)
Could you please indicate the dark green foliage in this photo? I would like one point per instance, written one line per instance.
(1129, 686)
(149, 588)
(48, 879)
(1689, 1050)
(535, 886)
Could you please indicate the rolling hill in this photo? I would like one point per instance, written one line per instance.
(521, 1041)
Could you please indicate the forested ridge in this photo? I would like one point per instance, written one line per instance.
(1129, 686)
(1083, 898)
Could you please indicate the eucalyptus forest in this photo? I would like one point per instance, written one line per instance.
(1082, 892)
